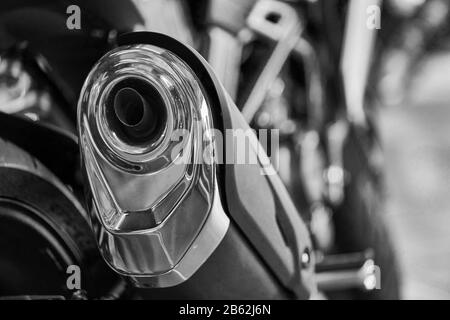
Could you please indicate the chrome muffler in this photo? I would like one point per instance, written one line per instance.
(165, 210)
(153, 191)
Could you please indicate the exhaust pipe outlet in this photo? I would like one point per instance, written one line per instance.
(152, 196)
(139, 115)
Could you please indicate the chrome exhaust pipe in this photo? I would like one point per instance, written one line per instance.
(148, 122)
(153, 198)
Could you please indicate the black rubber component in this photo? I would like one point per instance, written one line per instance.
(31, 259)
(41, 141)
(44, 230)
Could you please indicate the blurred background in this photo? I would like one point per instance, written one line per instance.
(43, 65)
(416, 139)
(415, 129)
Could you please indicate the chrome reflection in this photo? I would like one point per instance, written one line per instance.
(154, 205)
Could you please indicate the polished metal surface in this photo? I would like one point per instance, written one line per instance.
(366, 277)
(155, 207)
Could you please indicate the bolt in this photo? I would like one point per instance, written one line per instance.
(306, 259)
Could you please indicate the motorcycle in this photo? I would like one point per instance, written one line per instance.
(120, 144)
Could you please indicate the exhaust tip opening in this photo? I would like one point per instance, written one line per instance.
(131, 108)
(136, 112)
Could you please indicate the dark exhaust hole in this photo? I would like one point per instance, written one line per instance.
(130, 107)
(136, 112)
